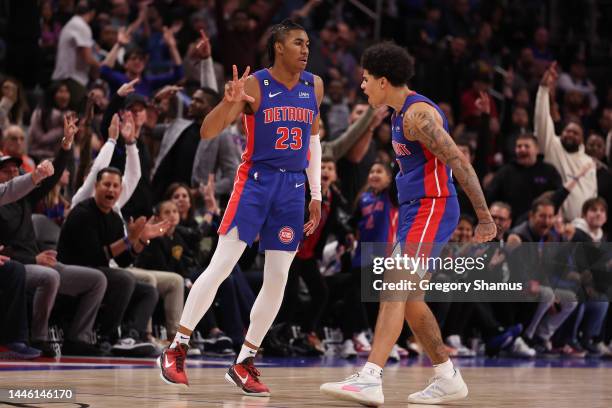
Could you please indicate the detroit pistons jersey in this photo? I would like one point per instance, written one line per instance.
(278, 133)
(421, 174)
(378, 220)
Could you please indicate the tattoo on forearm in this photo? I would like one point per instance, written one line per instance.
(422, 126)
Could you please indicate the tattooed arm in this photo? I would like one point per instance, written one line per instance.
(422, 123)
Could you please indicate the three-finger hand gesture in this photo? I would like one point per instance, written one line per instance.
(234, 89)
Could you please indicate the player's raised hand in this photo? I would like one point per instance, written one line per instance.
(314, 209)
(234, 89)
(485, 231)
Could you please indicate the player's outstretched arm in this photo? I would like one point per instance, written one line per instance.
(423, 123)
(238, 93)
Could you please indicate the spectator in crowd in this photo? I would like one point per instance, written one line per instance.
(524, 179)
(576, 80)
(13, 105)
(238, 36)
(335, 109)
(44, 275)
(181, 141)
(566, 152)
(75, 56)
(219, 156)
(591, 313)
(595, 147)
(14, 312)
(355, 164)
(55, 205)
(162, 274)
(132, 165)
(374, 217)
(106, 239)
(135, 65)
(47, 124)
(519, 125)
(14, 337)
(14, 145)
(542, 53)
(545, 321)
(141, 200)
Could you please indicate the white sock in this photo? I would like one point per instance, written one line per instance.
(180, 338)
(372, 370)
(445, 370)
(245, 352)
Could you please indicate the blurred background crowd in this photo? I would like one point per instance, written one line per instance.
(111, 95)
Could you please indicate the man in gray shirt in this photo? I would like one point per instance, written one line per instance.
(18, 187)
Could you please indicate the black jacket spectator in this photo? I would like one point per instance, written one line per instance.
(519, 186)
(169, 254)
(87, 234)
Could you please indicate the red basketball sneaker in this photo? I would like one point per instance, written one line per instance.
(246, 377)
(172, 364)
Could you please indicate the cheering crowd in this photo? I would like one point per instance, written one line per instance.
(110, 201)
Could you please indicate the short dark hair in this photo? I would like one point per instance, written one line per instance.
(112, 170)
(541, 202)
(502, 204)
(278, 33)
(212, 96)
(468, 218)
(158, 207)
(389, 60)
(327, 159)
(529, 136)
(592, 203)
(84, 7)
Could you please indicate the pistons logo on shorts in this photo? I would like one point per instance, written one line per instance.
(286, 235)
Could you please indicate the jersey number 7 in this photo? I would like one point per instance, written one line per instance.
(283, 142)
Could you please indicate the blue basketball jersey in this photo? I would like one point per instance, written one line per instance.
(421, 173)
(278, 134)
(378, 220)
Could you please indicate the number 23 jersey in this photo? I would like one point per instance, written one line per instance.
(278, 133)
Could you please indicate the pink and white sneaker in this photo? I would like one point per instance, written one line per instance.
(362, 388)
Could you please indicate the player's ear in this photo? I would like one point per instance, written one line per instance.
(278, 47)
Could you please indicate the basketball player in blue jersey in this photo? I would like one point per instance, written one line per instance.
(281, 107)
(429, 212)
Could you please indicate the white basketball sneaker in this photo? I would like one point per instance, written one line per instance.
(441, 390)
(362, 388)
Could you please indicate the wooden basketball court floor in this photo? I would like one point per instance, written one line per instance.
(295, 382)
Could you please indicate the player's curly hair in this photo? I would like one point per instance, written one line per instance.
(278, 33)
(389, 60)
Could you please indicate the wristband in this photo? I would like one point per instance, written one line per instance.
(128, 244)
